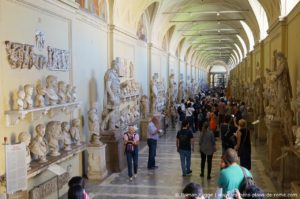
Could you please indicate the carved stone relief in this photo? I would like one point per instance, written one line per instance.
(23, 56)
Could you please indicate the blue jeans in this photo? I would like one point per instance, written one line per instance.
(152, 152)
(132, 157)
(185, 159)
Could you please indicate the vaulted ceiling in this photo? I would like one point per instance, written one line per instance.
(200, 31)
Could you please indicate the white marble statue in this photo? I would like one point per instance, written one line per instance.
(26, 138)
(28, 96)
(296, 132)
(51, 90)
(144, 106)
(131, 69)
(39, 98)
(68, 93)
(180, 91)
(94, 124)
(112, 97)
(75, 131)
(38, 145)
(65, 127)
(54, 134)
(73, 94)
(154, 93)
(21, 100)
(61, 92)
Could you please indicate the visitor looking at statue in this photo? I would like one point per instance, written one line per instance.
(152, 138)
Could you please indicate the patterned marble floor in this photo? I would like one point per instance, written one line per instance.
(167, 181)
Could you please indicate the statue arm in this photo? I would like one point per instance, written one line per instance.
(108, 89)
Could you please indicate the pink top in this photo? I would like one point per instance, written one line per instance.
(136, 137)
(86, 196)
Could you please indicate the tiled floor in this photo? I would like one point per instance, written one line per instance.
(167, 180)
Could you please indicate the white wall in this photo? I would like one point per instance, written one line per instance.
(64, 28)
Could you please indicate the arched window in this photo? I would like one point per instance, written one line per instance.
(249, 34)
(287, 6)
(261, 18)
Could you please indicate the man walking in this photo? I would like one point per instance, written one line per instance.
(185, 146)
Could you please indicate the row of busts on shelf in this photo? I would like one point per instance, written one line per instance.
(55, 93)
(129, 115)
(130, 88)
(51, 140)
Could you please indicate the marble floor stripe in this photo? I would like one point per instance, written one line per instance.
(167, 181)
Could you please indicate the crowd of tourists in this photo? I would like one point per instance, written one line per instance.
(214, 117)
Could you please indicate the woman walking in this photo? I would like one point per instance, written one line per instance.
(207, 149)
(243, 145)
(131, 141)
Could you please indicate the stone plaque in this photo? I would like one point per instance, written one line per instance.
(44, 189)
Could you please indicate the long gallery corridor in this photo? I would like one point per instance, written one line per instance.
(167, 180)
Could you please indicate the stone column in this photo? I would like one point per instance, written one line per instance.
(262, 129)
(144, 128)
(97, 162)
(275, 142)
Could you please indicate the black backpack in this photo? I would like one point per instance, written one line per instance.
(246, 183)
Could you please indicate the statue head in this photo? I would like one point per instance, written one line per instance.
(40, 130)
(65, 126)
(61, 85)
(51, 80)
(28, 89)
(24, 137)
(116, 65)
(53, 129)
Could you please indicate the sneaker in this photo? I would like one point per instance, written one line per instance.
(201, 175)
(183, 175)
(189, 172)
(155, 167)
(208, 177)
(135, 175)
(130, 179)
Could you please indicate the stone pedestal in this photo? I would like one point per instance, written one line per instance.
(262, 129)
(97, 162)
(289, 166)
(144, 128)
(115, 159)
(275, 142)
(295, 188)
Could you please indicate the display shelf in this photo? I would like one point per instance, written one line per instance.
(37, 168)
(14, 116)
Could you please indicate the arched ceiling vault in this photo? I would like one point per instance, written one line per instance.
(203, 29)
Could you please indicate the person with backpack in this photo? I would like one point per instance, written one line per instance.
(131, 141)
(185, 146)
(207, 149)
(233, 176)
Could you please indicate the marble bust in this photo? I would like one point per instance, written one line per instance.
(94, 124)
(39, 98)
(61, 92)
(38, 145)
(68, 94)
(54, 134)
(65, 128)
(51, 90)
(154, 93)
(20, 101)
(26, 138)
(28, 96)
(73, 94)
(75, 131)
